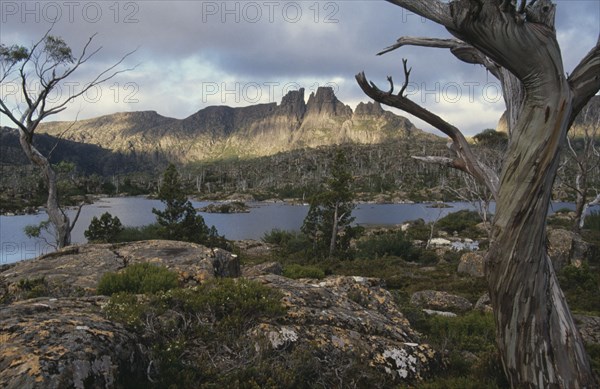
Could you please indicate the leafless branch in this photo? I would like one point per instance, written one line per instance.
(468, 161)
(585, 80)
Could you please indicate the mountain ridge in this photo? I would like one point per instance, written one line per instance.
(220, 132)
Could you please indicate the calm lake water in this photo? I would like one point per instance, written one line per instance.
(263, 217)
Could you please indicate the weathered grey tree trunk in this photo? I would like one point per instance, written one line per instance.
(580, 201)
(57, 217)
(334, 230)
(538, 341)
(537, 338)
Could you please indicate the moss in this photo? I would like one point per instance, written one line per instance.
(295, 271)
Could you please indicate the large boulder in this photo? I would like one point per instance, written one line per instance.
(353, 318)
(440, 301)
(66, 343)
(472, 263)
(565, 248)
(589, 327)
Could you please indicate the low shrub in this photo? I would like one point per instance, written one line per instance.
(33, 287)
(461, 222)
(473, 332)
(289, 242)
(390, 244)
(418, 230)
(296, 271)
(581, 287)
(592, 221)
(135, 234)
(278, 237)
(197, 337)
(138, 278)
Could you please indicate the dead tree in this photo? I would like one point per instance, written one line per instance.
(538, 342)
(580, 170)
(38, 71)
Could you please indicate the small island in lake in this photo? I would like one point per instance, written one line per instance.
(233, 207)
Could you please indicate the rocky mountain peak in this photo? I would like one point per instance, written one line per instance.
(368, 109)
(293, 104)
(325, 103)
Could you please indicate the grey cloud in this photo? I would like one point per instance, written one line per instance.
(277, 46)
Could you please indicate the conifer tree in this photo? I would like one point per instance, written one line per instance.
(329, 219)
(179, 220)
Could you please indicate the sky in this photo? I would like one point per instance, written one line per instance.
(193, 54)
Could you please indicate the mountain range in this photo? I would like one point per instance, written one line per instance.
(222, 132)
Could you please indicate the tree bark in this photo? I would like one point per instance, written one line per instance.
(537, 337)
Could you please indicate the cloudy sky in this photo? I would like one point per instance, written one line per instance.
(192, 54)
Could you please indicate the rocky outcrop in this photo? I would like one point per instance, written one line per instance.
(66, 343)
(589, 327)
(76, 270)
(565, 248)
(440, 301)
(353, 316)
(472, 264)
(324, 103)
(484, 303)
(368, 109)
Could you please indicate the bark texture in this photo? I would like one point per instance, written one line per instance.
(537, 338)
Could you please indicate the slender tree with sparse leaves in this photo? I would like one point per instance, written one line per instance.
(38, 71)
(329, 219)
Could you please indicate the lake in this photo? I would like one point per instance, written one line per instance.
(263, 217)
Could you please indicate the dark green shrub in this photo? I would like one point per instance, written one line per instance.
(594, 352)
(418, 230)
(592, 221)
(474, 332)
(195, 336)
(391, 244)
(33, 287)
(138, 278)
(581, 286)
(289, 242)
(295, 271)
(135, 234)
(423, 256)
(103, 230)
(278, 237)
(460, 221)
(126, 308)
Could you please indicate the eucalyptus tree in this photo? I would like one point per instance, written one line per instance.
(38, 71)
(516, 42)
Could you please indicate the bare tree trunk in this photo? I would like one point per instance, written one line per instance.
(596, 201)
(57, 217)
(334, 231)
(537, 337)
(580, 201)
